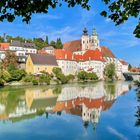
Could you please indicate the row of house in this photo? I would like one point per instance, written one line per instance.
(84, 54)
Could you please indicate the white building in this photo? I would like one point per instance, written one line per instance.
(22, 50)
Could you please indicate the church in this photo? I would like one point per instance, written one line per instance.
(87, 54)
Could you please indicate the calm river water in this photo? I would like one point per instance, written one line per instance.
(93, 111)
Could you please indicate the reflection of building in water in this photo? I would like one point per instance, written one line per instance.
(38, 99)
(88, 102)
(85, 101)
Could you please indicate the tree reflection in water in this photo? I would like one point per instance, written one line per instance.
(137, 123)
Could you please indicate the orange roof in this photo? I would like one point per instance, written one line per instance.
(73, 46)
(63, 55)
(135, 70)
(123, 62)
(4, 46)
(67, 105)
(90, 55)
(107, 52)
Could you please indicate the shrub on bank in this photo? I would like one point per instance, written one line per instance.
(84, 76)
(35, 82)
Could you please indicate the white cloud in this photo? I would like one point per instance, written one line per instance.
(47, 16)
(116, 133)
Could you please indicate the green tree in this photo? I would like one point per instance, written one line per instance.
(59, 44)
(57, 71)
(82, 75)
(118, 11)
(47, 40)
(92, 76)
(129, 67)
(10, 59)
(109, 71)
(53, 43)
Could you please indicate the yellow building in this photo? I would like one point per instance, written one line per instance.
(37, 63)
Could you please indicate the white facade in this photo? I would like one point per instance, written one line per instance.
(68, 66)
(22, 50)
(49, 50)
(2, 55)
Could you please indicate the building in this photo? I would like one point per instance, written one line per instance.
(37, 63)
(3, 48)
(90, 56)
(22, 50)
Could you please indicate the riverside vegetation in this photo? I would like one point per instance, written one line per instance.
(9, 73)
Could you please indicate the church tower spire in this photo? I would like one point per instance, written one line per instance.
(85, 40)
(94, 40)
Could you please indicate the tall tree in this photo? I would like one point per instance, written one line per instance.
(53, 43)
(59, 44)
(118, 10)
(47, 40)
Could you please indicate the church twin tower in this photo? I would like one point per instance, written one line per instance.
(90, 42)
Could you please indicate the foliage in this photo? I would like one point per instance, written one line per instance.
(47, 40)
(28, 78)
(53, 43)
(16, 74)
(57, 90)
(39, 42)
(70, 77)
(109, 71)
(129, 67)
(60, 76)
(44, 79)
(10, 59)
(35, 82)
(83, 75)
(1, 82)
(59, 44)
(57, 70)
(118, 11)
(92, 76)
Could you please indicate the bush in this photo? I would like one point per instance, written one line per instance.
(1, 82)
(44, 79)
(35, 82)
(83, 75)
(17, 74)
(57, 71)
(70, 77)
(92, 76)
(28, 78)
(109, 71)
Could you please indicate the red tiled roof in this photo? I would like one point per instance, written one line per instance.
(4, 46)
(123, 62)
(90, 55)
(73, 46)
(135, 70)
(63, 55)
(107, 52)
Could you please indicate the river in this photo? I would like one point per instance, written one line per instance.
(99, 111)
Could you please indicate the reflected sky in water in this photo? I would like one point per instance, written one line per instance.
(99, 111)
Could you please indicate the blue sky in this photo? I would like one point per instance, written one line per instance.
(68, 24)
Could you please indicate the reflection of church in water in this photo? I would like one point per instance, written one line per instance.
(85, 101)
(89, 102)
